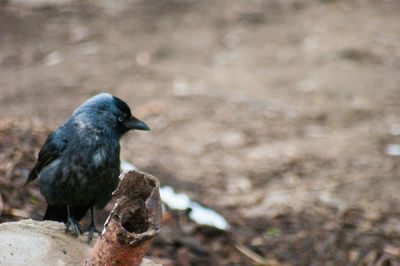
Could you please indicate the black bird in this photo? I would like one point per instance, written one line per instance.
(79, 165)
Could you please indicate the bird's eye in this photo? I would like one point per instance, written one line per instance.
(121, 118)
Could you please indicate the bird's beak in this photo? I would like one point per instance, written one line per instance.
(134, 123)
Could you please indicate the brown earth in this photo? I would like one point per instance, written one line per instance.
(277, 114)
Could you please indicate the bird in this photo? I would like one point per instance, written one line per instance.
(78, 166)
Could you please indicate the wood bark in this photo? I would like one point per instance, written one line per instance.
(132, 224)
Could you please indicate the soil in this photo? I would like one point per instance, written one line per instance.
(281, 115)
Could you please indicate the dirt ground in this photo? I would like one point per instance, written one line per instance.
(280, 115)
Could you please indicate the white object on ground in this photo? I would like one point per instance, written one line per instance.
(125, 166)
(393, 149)
(181, 201)
(395, 129)
(199, 213)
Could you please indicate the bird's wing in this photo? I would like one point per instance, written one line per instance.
(51, 150)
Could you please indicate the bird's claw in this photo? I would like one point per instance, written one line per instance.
(91, 229)
(76, 227)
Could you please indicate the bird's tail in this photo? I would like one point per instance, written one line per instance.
(60, 213)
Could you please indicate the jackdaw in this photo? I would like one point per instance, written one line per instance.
(79, 165)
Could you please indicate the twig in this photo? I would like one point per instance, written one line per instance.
(257, 258)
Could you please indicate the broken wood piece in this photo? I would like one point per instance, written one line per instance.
(132, 224)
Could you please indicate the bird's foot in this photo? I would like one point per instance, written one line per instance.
(92, 226)
(76, 227)
(91, 229)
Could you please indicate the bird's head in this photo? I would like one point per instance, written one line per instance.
(106, 112)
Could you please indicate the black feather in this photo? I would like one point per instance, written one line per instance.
(60, 214)
(122, 105)
(50, 151)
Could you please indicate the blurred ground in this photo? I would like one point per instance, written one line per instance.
(277, 114)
